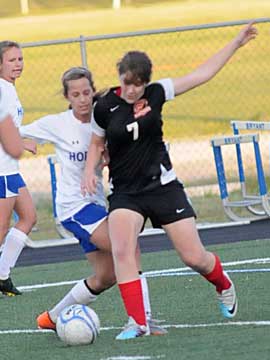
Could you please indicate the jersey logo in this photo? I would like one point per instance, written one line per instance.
(114, 108)
(139, 105)
(179, 211)
(141, 108)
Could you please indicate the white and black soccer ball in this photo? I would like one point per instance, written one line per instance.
(78, 325)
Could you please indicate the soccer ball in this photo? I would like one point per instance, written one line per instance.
(78, 325)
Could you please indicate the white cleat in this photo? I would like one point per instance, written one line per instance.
(132, 330)
(228, 300)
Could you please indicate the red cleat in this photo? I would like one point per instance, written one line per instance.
(45, 322)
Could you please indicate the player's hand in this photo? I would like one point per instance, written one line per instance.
(88, 183)
(30, 145)
(248, 33)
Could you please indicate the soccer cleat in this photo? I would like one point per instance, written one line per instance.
(8, 289)
(228, 301)
(155, 329)
(44, 321)
(132, 330)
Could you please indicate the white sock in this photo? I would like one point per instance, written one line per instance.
(79, 294)
(12, 248)
(146, 300)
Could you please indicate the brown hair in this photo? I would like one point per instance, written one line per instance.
(137, 65)
(76, 73)
(5, 45)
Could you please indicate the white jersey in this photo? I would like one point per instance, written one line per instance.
(71, 139)
(3, 110)
(10, 104)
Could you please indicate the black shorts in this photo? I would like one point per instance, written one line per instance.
(163, 205)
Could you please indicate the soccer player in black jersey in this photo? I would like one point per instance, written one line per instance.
(143, 183)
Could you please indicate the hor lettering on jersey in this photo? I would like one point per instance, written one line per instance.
(78, 156)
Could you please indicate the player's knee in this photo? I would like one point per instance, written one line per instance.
(194, 261)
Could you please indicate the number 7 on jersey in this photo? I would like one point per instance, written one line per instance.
(134, 127)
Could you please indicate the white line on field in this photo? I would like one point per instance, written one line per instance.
(160, 273)
(231, 263)
(190, 273)
(185, 271)
(137, 357)
(169, 326)
(129, 358)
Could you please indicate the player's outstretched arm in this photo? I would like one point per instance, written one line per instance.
(10, 138)
(215, 63)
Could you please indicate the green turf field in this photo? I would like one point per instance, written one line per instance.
(185, 302)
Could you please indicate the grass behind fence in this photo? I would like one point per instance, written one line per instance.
(239, 91)
(150, 14)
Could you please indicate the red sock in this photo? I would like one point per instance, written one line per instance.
(131, 293)
(217, 277)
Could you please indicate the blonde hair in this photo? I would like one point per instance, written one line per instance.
(5, 45)
(76, 73)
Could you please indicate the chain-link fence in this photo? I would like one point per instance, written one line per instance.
(240, 91)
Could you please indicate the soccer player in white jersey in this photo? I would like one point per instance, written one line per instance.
(84, 216)
(143, 183)
(13, 192)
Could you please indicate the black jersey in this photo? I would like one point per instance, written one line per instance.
(139, 160)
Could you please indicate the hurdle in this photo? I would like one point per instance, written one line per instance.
(253, 126)
(228, 205)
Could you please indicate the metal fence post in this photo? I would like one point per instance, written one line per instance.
(83, 51)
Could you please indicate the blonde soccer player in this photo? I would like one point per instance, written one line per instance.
(13, 191)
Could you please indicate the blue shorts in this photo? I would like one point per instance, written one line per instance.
(10, 185)
(84, 223)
